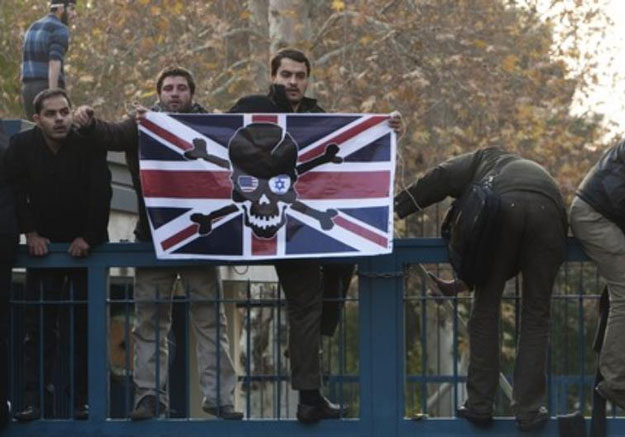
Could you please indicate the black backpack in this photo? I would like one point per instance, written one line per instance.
(472, 227)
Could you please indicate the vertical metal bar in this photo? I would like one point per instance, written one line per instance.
(582, 348)
(279, 358)
(127, 352)
(41, 349)
(217, 304)
(382, 346)
(157, 344)
(186, 343)
(97, 344)
(342, 355)
(424, 355)
(248, 370)
(72, 339)
(455, 351)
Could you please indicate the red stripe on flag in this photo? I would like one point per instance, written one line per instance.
(359, 230)
(180, 236)
(342, 137)
(343, 185)
(263, 118)
(186, 184)
(167, 135)
(264, 246)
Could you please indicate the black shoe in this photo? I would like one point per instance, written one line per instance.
(617, 397)
(534, 421)
(226, 412)
(475, 417)
(146, 409)
(81, 412)
(29, 413)
(5, 413)
(314, 413)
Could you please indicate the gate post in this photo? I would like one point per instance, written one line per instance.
(97, 343)
(381, 344)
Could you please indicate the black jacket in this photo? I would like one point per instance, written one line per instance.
(124, 137)
(451, 177)
(603, 188)
(61, 196)
(274, 102)
(8, 220)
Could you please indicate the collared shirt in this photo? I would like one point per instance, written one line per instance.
(45, 40)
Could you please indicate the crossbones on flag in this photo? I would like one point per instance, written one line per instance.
(268, 186)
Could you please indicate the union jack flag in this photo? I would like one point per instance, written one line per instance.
(268, 186)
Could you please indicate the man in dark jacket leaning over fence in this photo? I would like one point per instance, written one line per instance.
(597, 217)
(531, 240)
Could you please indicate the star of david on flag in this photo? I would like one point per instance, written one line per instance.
(268, 186)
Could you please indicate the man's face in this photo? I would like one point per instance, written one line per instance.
(294, 76)
(55, 119)
(175, 94)
(69, 13)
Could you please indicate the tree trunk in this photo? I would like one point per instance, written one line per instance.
(259, 42)
(289, 24)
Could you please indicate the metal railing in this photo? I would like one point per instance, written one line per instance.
(385, 361)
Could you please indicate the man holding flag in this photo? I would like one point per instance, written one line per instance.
(175, 88)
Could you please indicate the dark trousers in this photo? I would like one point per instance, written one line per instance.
(51, 292)
(5, 284)
(305, 284)
(301, 281)
(532, 243)
(29, 91)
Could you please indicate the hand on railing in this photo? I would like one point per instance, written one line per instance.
(37, 245)
(79, 248)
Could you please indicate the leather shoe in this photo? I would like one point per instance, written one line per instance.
(226, 412)
(146, 409)
(534, 421)
(475, 417)
(81, 412)
(31, 412)
(314, 413)
(617, 397)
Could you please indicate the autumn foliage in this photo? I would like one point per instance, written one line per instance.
(464, 73)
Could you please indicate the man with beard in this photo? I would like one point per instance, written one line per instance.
(45, 43)
(175, 88)
(62, 193)
(314, 290)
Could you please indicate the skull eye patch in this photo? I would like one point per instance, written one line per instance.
(280, 184)
(247, 183)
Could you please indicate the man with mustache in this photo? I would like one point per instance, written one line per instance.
(62, 193)
(45, 43)
(175, 87)
(314, 290)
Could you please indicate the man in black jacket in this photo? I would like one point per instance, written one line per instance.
(314, 290)
(63, 192)
(175, 87)
(597, 217)
(8, 243)
(531, 241)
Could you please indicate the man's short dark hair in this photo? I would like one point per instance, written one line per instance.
(54, 4)
(48, 94)
(293, 54)
(175, 71)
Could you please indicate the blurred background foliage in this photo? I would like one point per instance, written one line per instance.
(464, 73)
